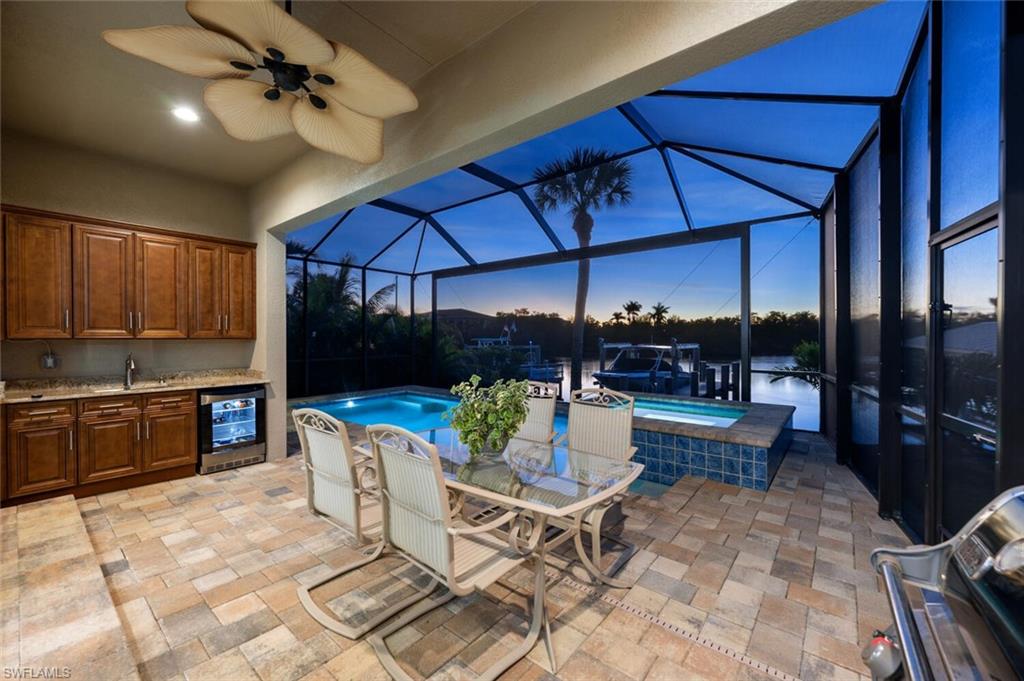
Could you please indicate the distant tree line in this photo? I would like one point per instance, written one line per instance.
(324, 316)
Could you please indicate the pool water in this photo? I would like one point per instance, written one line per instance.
(688, 412)
(422, 412)
(408, 410)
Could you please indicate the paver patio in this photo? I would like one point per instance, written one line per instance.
(728, 583)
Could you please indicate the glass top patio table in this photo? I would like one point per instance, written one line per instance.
(541, 477)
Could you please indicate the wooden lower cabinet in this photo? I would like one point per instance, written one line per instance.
(96, 445)
(40, 457)
(109, 447)
(170, 438)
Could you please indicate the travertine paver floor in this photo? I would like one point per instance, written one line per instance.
(56, 614)
(203, 572)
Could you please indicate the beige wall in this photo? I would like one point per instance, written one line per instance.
(269, 351)
(42, 174)
(106, 357)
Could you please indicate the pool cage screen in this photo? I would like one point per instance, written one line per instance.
(901, 140)
(708, 165)
(364, 315)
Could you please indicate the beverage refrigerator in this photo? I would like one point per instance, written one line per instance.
(232, 427)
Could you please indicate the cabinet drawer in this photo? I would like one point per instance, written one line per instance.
(169, 400)
(41, 412)
(99, 406)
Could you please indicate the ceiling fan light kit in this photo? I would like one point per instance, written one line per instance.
(332, 96)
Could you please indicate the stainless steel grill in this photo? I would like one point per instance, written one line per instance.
(963, 615)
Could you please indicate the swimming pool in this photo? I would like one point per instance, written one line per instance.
(739, 444)
(418, 412)
(411, 411)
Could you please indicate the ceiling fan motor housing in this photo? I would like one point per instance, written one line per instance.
(288, 77)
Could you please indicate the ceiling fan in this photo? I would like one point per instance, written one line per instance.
(328, 93)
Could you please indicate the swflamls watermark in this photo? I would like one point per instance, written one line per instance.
(36, 673)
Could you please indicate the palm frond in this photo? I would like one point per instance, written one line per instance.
(586, 180)
(381, 300)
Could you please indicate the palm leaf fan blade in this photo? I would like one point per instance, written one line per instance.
(362, 86)
(262, 26)
(339, 130)
(245, 113)
(186, 49)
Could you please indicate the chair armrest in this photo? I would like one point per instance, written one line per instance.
(552, 436)
(360, 449)
(630, 452)
(561, 439)
(486, 527)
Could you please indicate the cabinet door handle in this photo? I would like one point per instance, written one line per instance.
(218, 323)
(138, 321)
(147, 430)
(67, 318)
(227, 323)
(130, 325)
(71, 439)
(40, 412)
(138, 430)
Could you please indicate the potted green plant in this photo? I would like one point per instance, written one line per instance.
(487, 418)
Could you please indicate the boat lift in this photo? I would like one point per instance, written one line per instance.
(644, 367)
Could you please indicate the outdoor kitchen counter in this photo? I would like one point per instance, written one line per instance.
(23, 390)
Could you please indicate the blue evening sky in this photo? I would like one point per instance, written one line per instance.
(862, 55)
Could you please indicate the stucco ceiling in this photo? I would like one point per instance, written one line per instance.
(63, 82)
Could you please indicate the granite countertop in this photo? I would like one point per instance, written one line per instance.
(23, 390)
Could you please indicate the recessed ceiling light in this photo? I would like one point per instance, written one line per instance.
(185, 113)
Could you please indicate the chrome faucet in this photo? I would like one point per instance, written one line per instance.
(129, 372)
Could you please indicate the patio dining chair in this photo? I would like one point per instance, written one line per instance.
(340, 480)
(421, 526)
(340, 488)
(540, 418)
(600, 422)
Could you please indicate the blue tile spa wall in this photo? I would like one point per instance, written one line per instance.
(667, 458)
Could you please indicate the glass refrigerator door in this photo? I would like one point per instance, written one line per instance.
(234, 422)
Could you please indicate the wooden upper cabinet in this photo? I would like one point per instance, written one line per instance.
(161, 285)
(38, 277)
(204, 303)
(104, 285)
(92, 278)
(239, 302)
(222, 295)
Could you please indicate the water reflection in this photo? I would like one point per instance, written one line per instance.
(969, 334)
(791, 391)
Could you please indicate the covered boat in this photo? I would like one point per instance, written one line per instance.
(641, 367)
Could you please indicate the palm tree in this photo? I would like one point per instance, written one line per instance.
(632, 309)
(658, 314)
(585, 181)
(618, 317)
